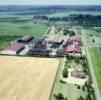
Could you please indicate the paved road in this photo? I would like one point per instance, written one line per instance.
(97, 92)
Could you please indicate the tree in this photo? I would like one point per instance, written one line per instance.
(88, 97)
(65, 32)
(83, 88)
(81, 98)
(65, 72)
(78, 87)
(59, 96)
(77, 60)
(65, 99)
(93, 40)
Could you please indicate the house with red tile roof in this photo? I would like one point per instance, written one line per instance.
(73, 49)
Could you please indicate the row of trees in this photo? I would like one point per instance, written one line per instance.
(85, 20)
(66, 18)
(65, 72)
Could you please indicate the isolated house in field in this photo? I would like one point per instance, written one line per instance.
(73, 49)
(26, 39)
(13, 49)
(78, 74)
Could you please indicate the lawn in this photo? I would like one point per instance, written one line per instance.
(96, 60)
(68, 90)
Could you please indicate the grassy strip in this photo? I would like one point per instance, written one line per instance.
(5, 40)
(51, 94)
(96, 60)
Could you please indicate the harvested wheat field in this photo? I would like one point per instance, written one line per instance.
(24, 78)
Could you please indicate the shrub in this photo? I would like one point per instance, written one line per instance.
(65, 72)
(59, 96)
(78, 87)
(61, 81)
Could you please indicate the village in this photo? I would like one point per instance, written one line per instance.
(49, 45)
(50, 52)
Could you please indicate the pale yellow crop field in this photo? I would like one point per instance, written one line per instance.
(24, 78)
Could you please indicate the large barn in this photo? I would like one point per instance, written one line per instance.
(26, 39)
(13, 49)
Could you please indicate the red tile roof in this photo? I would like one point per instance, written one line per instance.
(15, 47)
(72, 48)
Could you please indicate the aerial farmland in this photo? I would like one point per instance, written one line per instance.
(50, 52)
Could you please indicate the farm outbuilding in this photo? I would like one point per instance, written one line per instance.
(26, 39)
(13, 49)
(55, 39)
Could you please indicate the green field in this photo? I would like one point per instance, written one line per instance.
(92, 32)
(5, 40)
(20, 25)
(96, 60)
(22, 29)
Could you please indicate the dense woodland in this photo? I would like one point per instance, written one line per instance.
(78, 19)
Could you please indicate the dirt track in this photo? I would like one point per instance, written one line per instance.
(23, 78)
